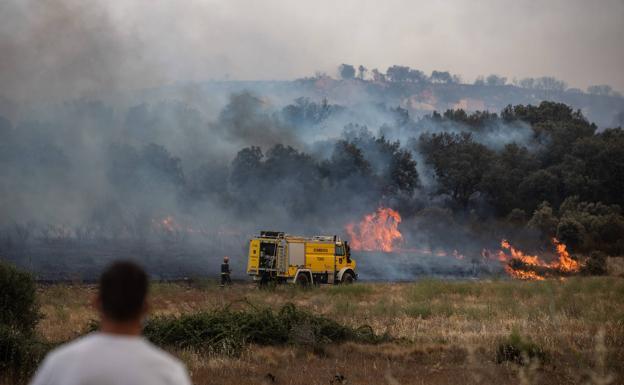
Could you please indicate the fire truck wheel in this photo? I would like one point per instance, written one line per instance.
(303, 280)
(347, 278)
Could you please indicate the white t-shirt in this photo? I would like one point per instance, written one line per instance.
(107, 359)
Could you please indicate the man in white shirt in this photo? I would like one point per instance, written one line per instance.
(117, 353)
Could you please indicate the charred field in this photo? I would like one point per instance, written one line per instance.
(430, 331)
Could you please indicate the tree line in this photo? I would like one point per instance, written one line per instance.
(401, 74)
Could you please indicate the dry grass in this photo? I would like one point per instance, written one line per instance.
(446, 330)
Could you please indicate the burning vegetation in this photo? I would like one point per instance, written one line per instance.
(533, 267)
(379, 231)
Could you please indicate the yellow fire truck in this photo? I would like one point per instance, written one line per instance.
(282, 258)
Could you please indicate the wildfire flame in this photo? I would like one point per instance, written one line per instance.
(172, 226)
(528, 267)
(168, 224)
(376, 232)
(379, 231)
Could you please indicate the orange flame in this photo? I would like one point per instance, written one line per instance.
(563, 264)
(167, 224)
(172, 226)
(376, 232)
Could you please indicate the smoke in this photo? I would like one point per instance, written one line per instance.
(171, 184)
(64, 49)
(113, 144)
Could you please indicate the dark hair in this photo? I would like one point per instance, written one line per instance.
(123, 287)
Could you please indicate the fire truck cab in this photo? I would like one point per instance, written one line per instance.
(282, 258)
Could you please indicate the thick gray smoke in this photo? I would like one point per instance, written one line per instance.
(72, 48)
(179, 187)
(113, 143)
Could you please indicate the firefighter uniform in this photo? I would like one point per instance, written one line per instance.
(225, 273)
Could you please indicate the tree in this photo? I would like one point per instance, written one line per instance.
(479, 81)
(416, 76)
(18, 300)
(495, 80)
(161, 165)
(285, 161)
(459, 164)
(362, 72)
(507, 170)
(403, 172)
(441, 77)
(539, 186)
(209, 178)
(246, 167)
(348, 161)
(284, 178)
(592, 225)
(246, 119)
(549, 83)
(602, 90)
(347, 71)
(152, 167)
(398, 73)
(556, 127)
(378, 76)
(544, 220)
(602, 156)
(304, 111)
(527, 83)
(571, 232)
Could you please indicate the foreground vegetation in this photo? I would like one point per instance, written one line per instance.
(431, 331)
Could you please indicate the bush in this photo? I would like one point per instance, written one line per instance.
(571, 232)
(519, 350)
(596, 264)
(20, 351)
(19, 354)
(226, 331)
(17, 300)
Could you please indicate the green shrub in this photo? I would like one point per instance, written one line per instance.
(17, 299)
(517, 349)
(19, 353)
(226, 331)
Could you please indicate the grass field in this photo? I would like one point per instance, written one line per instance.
(441, 332)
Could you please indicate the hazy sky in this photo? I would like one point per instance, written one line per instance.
(75, 47)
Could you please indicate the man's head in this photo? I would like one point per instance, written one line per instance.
(226, 259)
(122, 293)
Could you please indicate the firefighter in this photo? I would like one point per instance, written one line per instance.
(225, 272)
